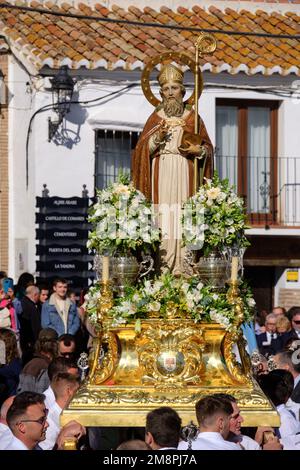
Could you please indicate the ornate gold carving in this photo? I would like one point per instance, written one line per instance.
(235, 369)
(106, 365)
(101, 397)
(170, 73)
(105, 302)
(240, 371)
(206, 43)
(171, 354)
(105, 357)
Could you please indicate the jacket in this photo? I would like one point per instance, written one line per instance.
(52, 319)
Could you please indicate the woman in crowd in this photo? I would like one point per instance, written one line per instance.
(10, 366)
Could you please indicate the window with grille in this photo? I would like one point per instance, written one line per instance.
(113, 155)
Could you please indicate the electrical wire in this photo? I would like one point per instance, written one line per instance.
(47, 107)
(44, 11)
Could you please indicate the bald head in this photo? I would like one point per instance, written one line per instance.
(4, 409)
(32, 292)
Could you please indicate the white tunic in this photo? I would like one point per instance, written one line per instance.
(173, 191)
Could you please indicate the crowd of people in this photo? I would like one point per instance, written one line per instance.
(41, 338)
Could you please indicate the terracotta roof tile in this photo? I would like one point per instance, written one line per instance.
(44, 36)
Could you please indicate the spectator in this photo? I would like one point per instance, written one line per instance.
(25, 280)
(8, 315)
(30, 321)
(59, 312)
(278, 386)
(163, 426)
(213, 416)
(294, 333)
(44, 294)
(283, 325)
(268, 342)
(279, 311)
(34, 375)
(11, 365)
(67, 346)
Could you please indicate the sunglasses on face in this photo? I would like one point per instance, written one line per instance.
(297, 322)
(40, 421)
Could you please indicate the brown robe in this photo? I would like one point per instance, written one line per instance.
(141, 159)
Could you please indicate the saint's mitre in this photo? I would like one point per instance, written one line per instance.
(170, 73)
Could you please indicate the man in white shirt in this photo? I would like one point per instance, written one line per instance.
(64, 386)
(213, 416)
(289, 360)
(27, 420)
(278, 386)
(58, 365)
(5, 432)
(163, 426)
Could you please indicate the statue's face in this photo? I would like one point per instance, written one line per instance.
(171, 90)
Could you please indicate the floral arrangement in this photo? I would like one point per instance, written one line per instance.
(214, 217)
(122, 220)
(192, 298)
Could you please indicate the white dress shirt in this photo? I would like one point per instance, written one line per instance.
(209, 441)
(270, 336)
(249, 444)
(5, 435)
(291, 442)
(15, 444)
(50, 397)
(288, 423)
(54, 427)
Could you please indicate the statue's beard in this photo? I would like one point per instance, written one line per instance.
(173, 107)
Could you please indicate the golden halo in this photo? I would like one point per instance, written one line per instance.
(166, 57)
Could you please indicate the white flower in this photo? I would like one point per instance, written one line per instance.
(213, 193)
(251, 302)
(154, 306)
(121, 189)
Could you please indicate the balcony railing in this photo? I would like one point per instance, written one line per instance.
(270, 187)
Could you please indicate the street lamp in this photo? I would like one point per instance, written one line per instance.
(62, 86)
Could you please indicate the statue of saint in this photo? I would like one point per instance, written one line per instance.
(163, 161)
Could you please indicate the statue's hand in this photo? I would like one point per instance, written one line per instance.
(194, 149)
(163, 131)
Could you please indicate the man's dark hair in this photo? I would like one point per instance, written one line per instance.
(209, 406)
(60, 365)
(165, 425)
(293, 311)
(290, 357)
(20, 405)
(224, 396)
(278, 385)
(67, 339)
(134, 444)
